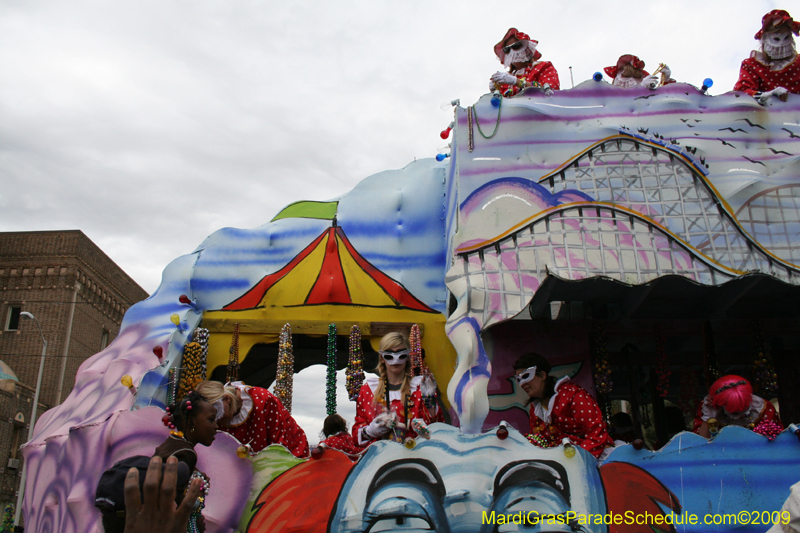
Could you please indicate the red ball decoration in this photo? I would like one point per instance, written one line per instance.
(184, 299)
(159, 351)
(445, 133)
(502, 433)
(638, 444)
(316, 452)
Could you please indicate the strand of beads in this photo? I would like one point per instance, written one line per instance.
(688, 395)
(418, 366)
(355, 369)
(602, 371)
(201, 338)
(766, 380)
(8, 518)
(330, 385)
(710, 368)
(233, 356)
(285, 375)
(192, 368)
(662, 365)
(768, 428)
(172, 388)
(200, 504)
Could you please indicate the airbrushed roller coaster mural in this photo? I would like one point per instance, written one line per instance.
(599, 226)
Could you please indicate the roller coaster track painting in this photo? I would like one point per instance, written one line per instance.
(635, 209)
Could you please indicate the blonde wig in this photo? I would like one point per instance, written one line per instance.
(214, 390)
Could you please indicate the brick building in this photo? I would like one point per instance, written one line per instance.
(16, 401)
(79, 295)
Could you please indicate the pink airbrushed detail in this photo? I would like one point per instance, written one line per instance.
(94, 428)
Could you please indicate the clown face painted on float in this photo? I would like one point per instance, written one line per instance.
(456, 482)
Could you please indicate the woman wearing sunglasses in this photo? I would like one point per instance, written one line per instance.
(560, 409)
(407, 398)
(518, 53)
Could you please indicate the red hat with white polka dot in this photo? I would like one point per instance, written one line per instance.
(775, 18)
(514, 32)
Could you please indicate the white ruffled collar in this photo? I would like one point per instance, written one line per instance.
(524, 70)
(774, 66)
(247, 404)
(541, 412)
(372, 380)
(752, 415)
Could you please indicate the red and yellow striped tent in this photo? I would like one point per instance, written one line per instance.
(328, 282)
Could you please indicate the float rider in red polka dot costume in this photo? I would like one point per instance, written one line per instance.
(518, 53)
(774, 69)
(629, 73)
(560, 409)
(388, 403)
(255, 417)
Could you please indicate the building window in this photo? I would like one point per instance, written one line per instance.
(12, 317)
(16, 441)
(104, 339)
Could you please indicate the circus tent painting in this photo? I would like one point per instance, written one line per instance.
(329, 281)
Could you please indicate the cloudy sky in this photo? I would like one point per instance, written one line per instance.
(150, 124)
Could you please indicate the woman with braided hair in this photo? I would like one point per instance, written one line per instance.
(192, 421)
(731, 402)
(389, 402)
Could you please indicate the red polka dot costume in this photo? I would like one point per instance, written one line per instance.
(759, 411)
(774, 64)
(535, 75)
(367, 410)
(344, 443)
(571, 413)
(755, 76)
(263, 420)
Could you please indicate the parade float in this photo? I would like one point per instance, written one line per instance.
(643, 240)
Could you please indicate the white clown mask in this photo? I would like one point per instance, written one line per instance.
(394, 358)
(519, 52)
(626, 82)
(778, 44)
(526, 376)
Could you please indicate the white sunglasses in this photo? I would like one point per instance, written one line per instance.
(526, 376)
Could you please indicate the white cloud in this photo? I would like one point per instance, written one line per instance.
(150, 124)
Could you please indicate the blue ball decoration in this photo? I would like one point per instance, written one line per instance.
(441, 157)
(597, 76)
(708, 82)
(496, 100)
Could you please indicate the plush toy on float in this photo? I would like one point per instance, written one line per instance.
(518, 53)
(629, 73)
(772, 70)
